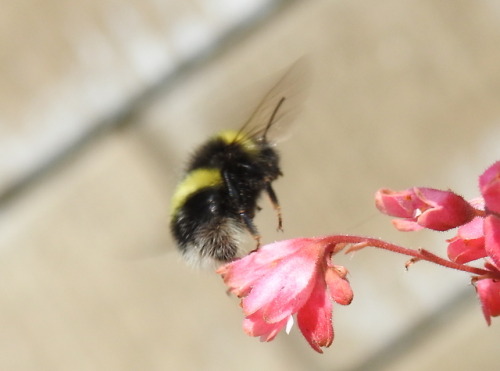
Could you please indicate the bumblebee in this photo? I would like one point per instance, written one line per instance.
(215, 203)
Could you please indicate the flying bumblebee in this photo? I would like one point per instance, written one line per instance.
(215, 203)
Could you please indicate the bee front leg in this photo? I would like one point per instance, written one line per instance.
(274, 200)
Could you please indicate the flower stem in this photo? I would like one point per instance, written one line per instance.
(358, 243)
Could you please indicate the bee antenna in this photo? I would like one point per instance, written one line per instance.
(273, 115)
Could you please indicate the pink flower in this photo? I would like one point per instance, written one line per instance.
(477, 239)
(491, 228)
(488, 291)
(285, 278)
(478, 222)
(489, 184)
(468, 244)
(420, 207)
(481, 237)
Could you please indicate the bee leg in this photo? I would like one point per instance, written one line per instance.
(247, 220)
(274, 200)
(251, 227)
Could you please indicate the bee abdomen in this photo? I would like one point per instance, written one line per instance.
(217, 241)
(206, 229)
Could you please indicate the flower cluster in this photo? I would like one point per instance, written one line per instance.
(285, 278)
(478, 222)
(298, 278)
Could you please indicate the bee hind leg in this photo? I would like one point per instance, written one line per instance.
(250, 227)
(245, 218)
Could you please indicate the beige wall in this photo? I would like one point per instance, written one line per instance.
(402, 94)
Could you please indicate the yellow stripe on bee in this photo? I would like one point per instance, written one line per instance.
(232, 136)
(193, 182)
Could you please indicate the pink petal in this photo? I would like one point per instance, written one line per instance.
(477, 203)
(315, 318)
(340, 290)
(285, 289)
(272, 252)
(405, 225)
(472, 230)
(468, 244)
(242, 274)
(489, 183)
(255, 325)
(489, 294)
(492, 238)
(445, 209)
(395, 203)
(464, 251)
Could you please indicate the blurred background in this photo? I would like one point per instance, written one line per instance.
(101, 102)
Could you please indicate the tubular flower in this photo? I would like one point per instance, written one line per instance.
(478, 222)
(491, 230)
(488, 291)
(481, 237)
(489, 184)
(468, 244)
(285, 278)
(420, 207)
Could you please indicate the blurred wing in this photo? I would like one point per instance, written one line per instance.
(275, 113)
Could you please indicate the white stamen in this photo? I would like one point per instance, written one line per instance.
(289, 325)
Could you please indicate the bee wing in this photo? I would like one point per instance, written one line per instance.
(279, 107)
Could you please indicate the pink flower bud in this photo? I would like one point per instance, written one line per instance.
(424, 208)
